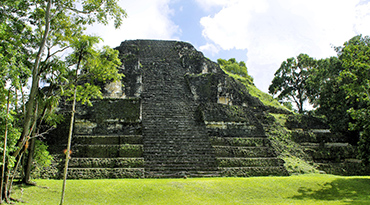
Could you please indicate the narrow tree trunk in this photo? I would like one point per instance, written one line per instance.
(28, 167)
(31, 149)
(35, 83)
(301, 105)
(4, 152)
(10, 183)
(69, 145)
(23, 101)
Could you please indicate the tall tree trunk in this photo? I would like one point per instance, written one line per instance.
(69, 145)
(31, 149)
(35, 84)
(28, 167)
(4, 150)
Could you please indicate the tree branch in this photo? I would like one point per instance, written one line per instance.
(85, 12)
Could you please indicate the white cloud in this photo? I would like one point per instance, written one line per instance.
(147, 19)
(209, 4)
(210, 48)
(363, 18)
(274, 30)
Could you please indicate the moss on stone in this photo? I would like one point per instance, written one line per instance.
(253, 171)
(249, 162)
(128, 150)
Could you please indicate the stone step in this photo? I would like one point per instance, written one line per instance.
(110, 109)
(119, 162)
(235, 132)
(177, 142)
(253, 171)
(240, 141)
(107, 151)
(181, 162)
(317, 136)
(345, 168)
(328, 144)
(331, 153)
(180, 168)
(86, 127)
(240, 151)
(178, 163)
(186, 148)
(107, 139)
(197, 174)
(181, 174)
(105, 173)
(249, 162)
(185, 154)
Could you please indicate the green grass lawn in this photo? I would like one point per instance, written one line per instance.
(303, 189)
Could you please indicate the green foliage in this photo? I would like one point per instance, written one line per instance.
(33, 34)
(327, 96)
(12, 136)
(42, 161)
(296, 165)
(302, 189)
(232, 66)
(340, 89)
(238, 71)
(297, 161)
(290, 80)
(41, 156)
(355, 79)
(89, 65)
(266, 99)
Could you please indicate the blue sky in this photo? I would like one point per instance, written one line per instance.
(262, 33)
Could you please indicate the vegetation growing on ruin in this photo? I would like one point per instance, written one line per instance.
(297, 161)
(239, 71)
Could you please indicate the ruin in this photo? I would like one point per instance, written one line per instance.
(177, 115)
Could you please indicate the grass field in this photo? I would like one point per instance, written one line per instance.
(303, 189)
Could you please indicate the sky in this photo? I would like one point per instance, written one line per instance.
(262, 33)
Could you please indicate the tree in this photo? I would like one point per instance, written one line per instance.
(355, 79)
(339, 88)
(91, 65)
(328, 97)
(290, 80)
(43, 30)
(14, 71)
(57, 22)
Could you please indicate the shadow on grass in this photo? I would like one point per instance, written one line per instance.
(350, 191)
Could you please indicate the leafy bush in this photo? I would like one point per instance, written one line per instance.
(234, 67)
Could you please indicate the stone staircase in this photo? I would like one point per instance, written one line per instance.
(175, 143)
(241, 148)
